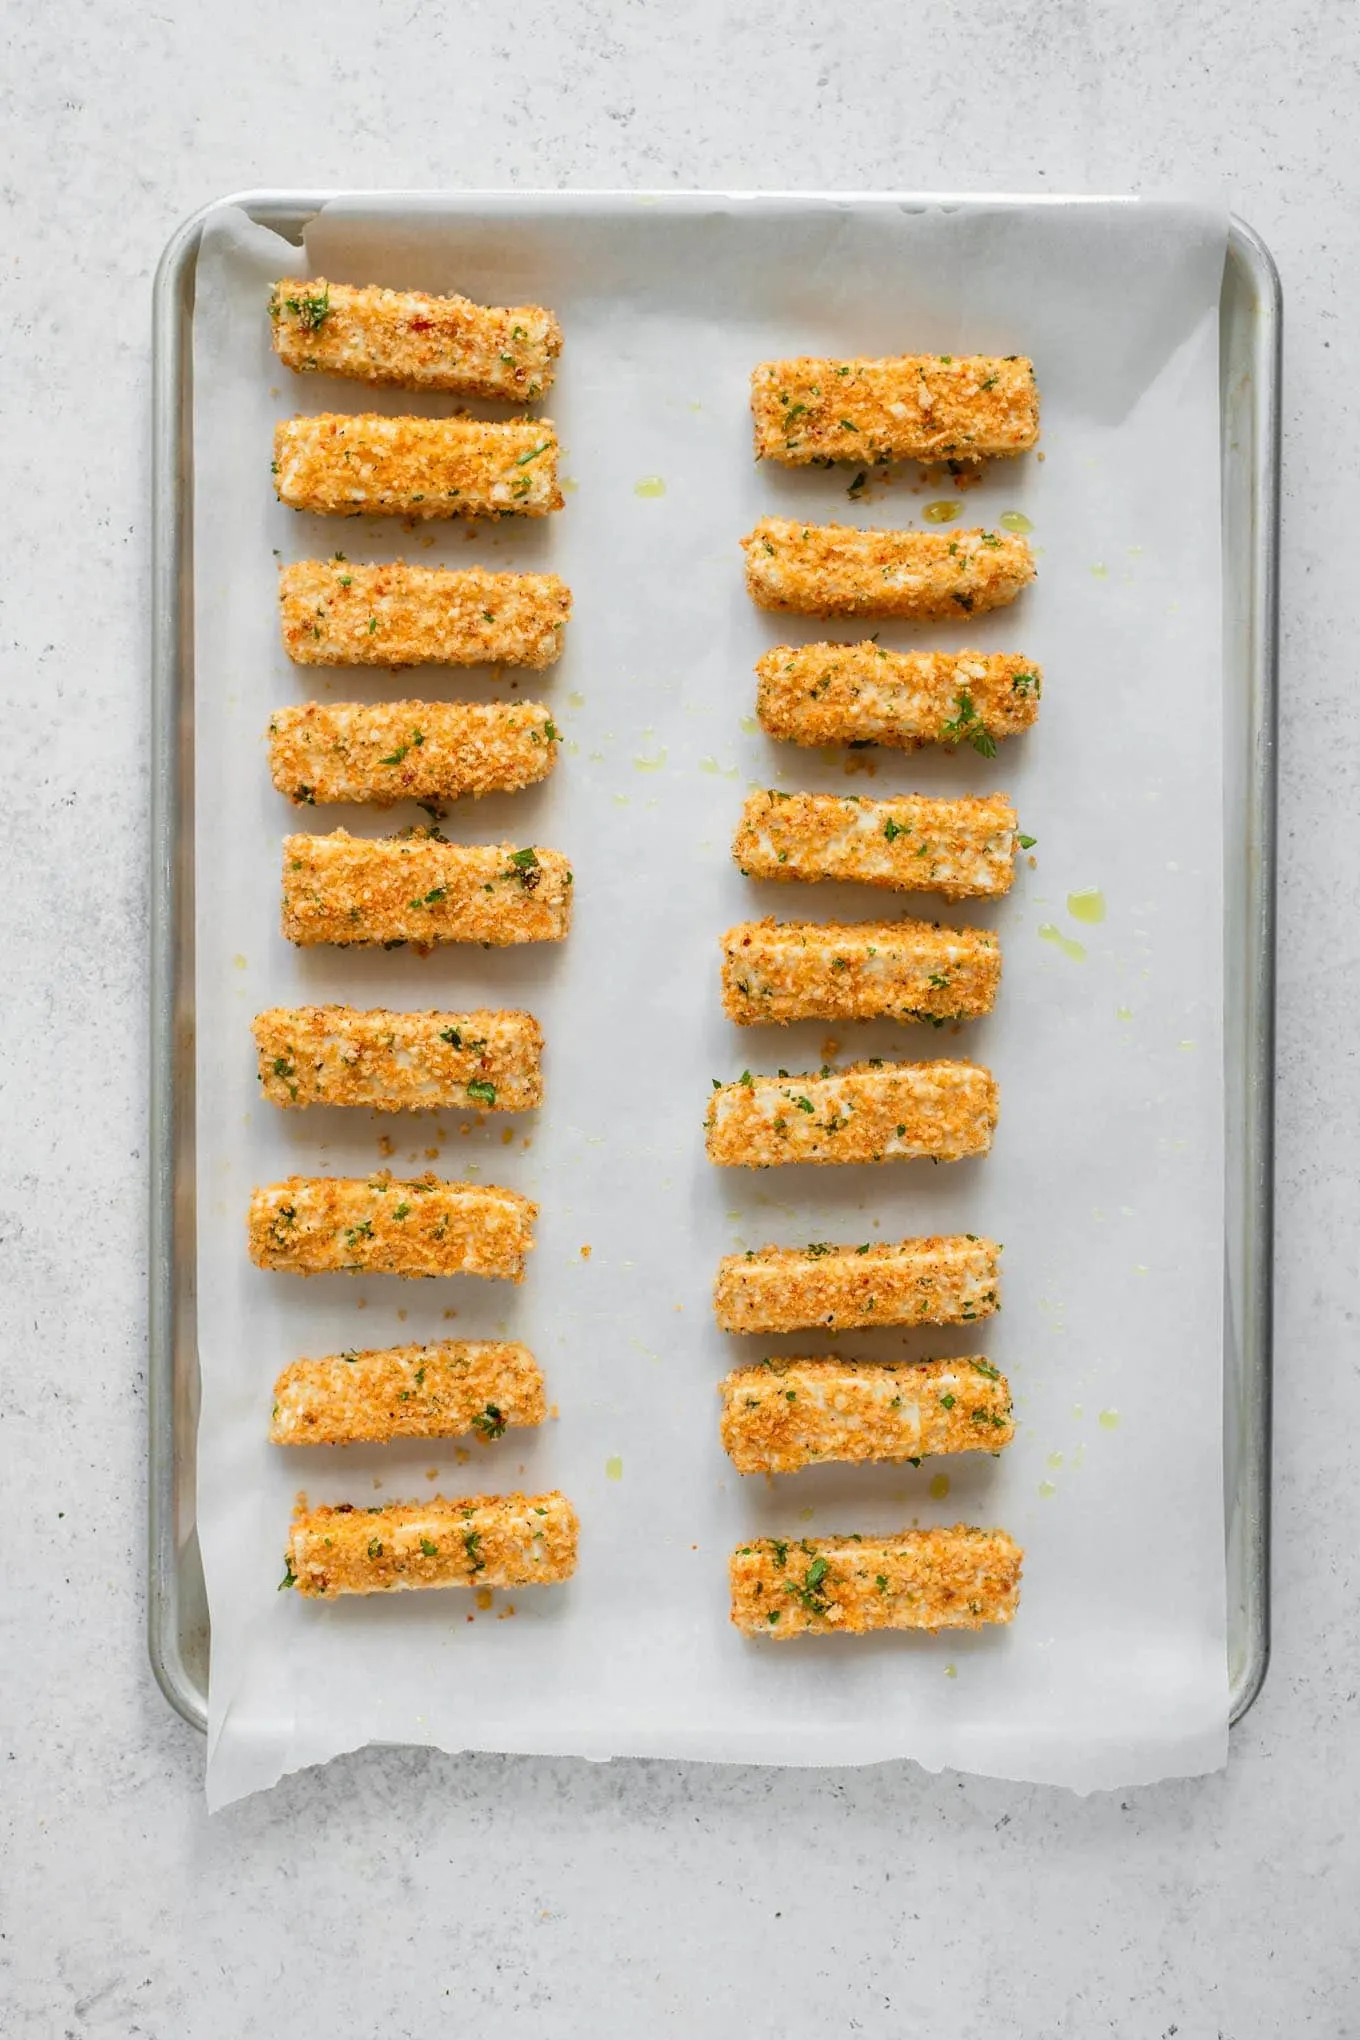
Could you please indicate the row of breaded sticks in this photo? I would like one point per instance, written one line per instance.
(875, 1111)
(334, 614)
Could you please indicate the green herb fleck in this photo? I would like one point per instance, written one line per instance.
(311, 312)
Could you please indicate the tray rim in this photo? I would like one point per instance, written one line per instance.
(170, 1375)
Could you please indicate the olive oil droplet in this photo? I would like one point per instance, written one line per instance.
(1015, 520)
(613, 1467)
(939, 1487)
(1110, 1419)
(650, 485)
(1087, 905)
(1075, 950)
(942, 511)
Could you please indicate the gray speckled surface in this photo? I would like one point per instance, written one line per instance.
(402, 1893)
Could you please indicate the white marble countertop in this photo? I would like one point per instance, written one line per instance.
(401, 1893)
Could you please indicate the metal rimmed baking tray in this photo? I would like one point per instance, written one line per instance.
(1250, 326)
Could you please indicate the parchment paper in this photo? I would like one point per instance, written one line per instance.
(1105, 1183)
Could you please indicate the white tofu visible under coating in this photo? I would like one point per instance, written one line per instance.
(963, 848)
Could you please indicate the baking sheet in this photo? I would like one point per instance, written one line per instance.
(1106, 1180)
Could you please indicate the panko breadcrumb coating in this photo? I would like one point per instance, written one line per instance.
(787, 1414)
(963, 848)
(342, 465)
(858, 970)
(862, 694)
(339, 613)
(838, 570)
(452, 1389)
(416, 342)
(375, 1225)
(357, 890)
(473, 1541)
(866, 1112)
(927, 407)
(324, 751)
(964, 1578)
(400, 1062)
(944, 1280)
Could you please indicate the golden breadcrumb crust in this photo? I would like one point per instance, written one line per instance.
(414, 341)
(355, 889)
(865, 1112)
(345, 465)
(858, 970)
(450, 1389)
(432, 751)
(400, 1062)
(943, 1280)
(839, 570)
(927, 407)
(962, 848)
(786, 1414)
(475, 1541)
(338, 613)
(861, 694)
(375, 1225)
(962, 1578)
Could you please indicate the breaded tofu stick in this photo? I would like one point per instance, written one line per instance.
(474, 1541)
(786, 1414)
(963, 848)
(929, 407)
(962, 1578)
(837, 570)
(858, 970)
(339, 613)
(860, 694)
(448, 1390)
(343, 465)
(414, 341)
(400, 1062)
(409, 750)
(321, 1225)
(355, 889)
(866, 1112)
(937, 1281)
